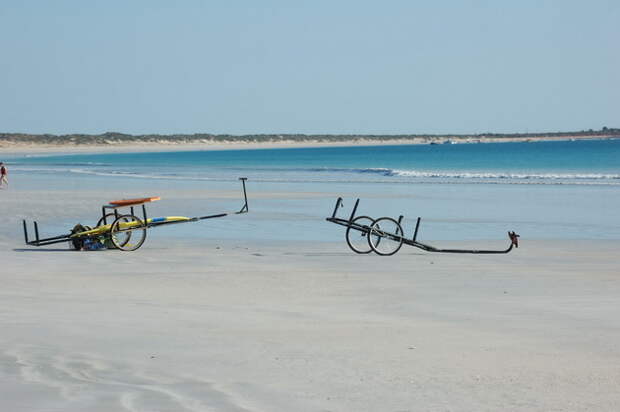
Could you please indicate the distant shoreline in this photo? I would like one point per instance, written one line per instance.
(117, 142)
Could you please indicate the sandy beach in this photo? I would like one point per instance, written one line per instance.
(260, 134)
(210, 324)
(15, 147)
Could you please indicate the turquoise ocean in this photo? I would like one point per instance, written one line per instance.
(545, 190)
(565, 162)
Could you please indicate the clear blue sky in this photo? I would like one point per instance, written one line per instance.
(241, 67)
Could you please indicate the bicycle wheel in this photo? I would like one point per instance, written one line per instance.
(358, 239)
(390, 234)
(127, 233)
(109, 218)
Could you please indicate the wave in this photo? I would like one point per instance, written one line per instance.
(346, 175)
(118, 173)
(504, 175)
(470, 175)
(57, 164)
(307, 179)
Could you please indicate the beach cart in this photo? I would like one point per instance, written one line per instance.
(385, 235)
(119, 227)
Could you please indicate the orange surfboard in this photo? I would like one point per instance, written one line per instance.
(133, 202)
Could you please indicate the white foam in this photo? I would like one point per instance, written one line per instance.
(344, 175)
(505, 175)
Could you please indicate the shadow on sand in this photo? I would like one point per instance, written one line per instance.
(43, 250)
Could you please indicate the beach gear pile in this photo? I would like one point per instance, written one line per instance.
(94, 243)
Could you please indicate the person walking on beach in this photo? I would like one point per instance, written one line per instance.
(3, 175)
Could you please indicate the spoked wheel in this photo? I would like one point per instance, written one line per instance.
(386, 236)
(358, 239)
(109, 218)
(127, 233)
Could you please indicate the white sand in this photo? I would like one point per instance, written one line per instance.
(299, 326)
(12, 148)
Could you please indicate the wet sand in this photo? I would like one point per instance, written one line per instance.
(242, 325)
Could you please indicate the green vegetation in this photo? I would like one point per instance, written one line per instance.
(112, 138)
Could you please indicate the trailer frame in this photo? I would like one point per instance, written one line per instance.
(374, 234)
(122, 223)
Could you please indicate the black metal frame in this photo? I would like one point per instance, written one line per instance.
(514, 238)
(115, 208)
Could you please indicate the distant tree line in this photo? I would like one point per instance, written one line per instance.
(110, 138)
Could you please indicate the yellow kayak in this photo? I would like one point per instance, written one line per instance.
(100, 230)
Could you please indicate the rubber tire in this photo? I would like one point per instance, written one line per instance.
(109, 234)
(110, 244)
(375, 227)
(351, 231)
(107, 215)
(123, 245)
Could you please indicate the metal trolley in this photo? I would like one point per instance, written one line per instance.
(385, 235)
(119, 227)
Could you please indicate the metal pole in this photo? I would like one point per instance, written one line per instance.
(357, 202)
(415, 234)
(245, 207)
(36, 231)
(338, 203)
(25, 230)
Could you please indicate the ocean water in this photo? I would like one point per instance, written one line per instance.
(564, 162)
(542, 190)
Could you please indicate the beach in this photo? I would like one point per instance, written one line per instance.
(42, 145)
(309, 207)
(246, 327)
(270, 310)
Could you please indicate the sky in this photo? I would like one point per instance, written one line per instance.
(312, 67)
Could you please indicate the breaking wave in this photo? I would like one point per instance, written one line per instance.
(473, 175)
(362, 175)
